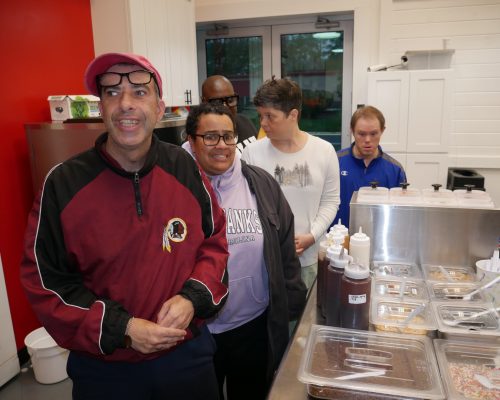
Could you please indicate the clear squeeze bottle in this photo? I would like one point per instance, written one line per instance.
(322, 265)
(342, 229)
(355, 297)
(333, 250)
(334, 276)
(359, 247)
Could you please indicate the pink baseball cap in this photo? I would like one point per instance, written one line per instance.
(103, 62)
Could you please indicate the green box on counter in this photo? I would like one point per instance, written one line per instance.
(65, 107)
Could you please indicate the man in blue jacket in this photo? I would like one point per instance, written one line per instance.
(364, 161)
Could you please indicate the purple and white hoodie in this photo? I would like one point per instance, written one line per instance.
(248, 278)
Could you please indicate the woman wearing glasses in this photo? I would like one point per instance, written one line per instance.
(265, 287)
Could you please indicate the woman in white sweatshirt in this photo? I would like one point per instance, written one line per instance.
(305, 166)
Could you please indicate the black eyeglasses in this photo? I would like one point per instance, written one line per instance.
(139, 77)
(213, 139)
(230, 101)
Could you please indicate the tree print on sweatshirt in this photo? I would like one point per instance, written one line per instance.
(299, 176)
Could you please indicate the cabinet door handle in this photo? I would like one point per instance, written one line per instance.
(188, 96)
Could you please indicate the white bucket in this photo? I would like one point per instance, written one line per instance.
(48, 359)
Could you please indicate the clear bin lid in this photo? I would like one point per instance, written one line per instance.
(474, 198)
(370, 362)
(399, 288)
(405, 196)
(445, 273)
(453, 291)
(396, 269)
(398, 316)
(466, 318)
(443, 197)
(367, 194)
(464, 366)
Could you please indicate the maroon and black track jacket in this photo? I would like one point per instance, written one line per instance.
(103, 244)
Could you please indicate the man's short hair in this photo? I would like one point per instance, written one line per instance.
(283, 94)
(196, 112)
(367, 112)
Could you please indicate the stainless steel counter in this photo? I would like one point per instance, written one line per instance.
(286, 385)
(448, 236)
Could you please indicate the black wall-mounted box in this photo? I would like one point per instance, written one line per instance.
(459, 177)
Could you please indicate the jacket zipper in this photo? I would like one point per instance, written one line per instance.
(137, 194)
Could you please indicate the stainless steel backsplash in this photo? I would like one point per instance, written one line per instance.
(427, 235)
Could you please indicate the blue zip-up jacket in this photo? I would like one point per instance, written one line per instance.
(354, 174)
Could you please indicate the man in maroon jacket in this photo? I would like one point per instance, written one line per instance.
(126, 253)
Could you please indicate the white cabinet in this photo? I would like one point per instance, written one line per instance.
(9, 361)
(429, 111)
(161, 30)
(389, 92)
(424, 169)
(417, 109)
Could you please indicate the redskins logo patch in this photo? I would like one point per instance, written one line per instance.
(174, 231)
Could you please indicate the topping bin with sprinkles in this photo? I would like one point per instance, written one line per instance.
(469, 370)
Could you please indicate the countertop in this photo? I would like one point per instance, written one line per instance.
(286, 385)
(96, 123)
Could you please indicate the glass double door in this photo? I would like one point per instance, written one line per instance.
(320, 61)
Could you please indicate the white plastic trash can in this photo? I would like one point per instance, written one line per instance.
(48, 359)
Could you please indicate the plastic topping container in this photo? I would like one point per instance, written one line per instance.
(396, 270)
(405, 195)
(410, 289)
(350, 364)
(446, 273)
(373, 194)
(412, 317)
(438, 196)
(453, 291)
(470, 371)
(473, 198)
(466, 321)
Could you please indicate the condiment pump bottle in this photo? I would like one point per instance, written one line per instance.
(355, 289)
(334, 275)
(359, 248)
(342, 230)
(332, 251)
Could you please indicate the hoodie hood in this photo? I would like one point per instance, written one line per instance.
(226, 180)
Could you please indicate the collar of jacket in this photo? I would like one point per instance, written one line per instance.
(151, 157)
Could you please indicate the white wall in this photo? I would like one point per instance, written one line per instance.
(472, 29)
(385, 29)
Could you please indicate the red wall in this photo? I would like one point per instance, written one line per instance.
(45, 47)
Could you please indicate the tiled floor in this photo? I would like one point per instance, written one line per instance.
(25, 387)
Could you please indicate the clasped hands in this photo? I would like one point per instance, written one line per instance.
(303, 242)
(169, 328)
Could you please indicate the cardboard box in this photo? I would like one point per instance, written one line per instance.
(73, 107)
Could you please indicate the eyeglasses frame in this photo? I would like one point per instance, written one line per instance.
(218, 141)
(127, 74)
(225, 99)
